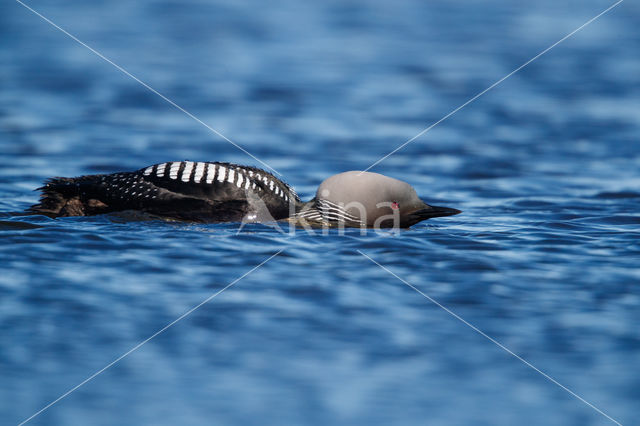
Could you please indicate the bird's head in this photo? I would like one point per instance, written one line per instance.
(373, 200)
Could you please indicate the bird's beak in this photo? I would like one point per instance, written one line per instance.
(434, 211)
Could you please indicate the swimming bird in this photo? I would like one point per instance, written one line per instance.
(225, 192)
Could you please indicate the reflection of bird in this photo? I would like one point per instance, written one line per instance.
(224, 192)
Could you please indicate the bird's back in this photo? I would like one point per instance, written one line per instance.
(186, 190)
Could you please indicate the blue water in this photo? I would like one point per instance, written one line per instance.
(545, 258)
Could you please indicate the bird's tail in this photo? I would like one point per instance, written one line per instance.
(66, 197)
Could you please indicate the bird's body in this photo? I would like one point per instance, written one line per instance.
(195, 191)
(225, 192)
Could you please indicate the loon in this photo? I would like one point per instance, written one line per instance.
(226, 192)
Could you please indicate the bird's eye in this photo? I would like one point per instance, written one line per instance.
(395, 205)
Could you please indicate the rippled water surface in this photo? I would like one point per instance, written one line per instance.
(545, 258)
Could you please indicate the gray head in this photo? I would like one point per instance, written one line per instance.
(373, 200)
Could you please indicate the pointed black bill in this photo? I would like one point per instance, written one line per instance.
(435, 211)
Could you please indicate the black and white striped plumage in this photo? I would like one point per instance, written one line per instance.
(186, 190)
(324, 212)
